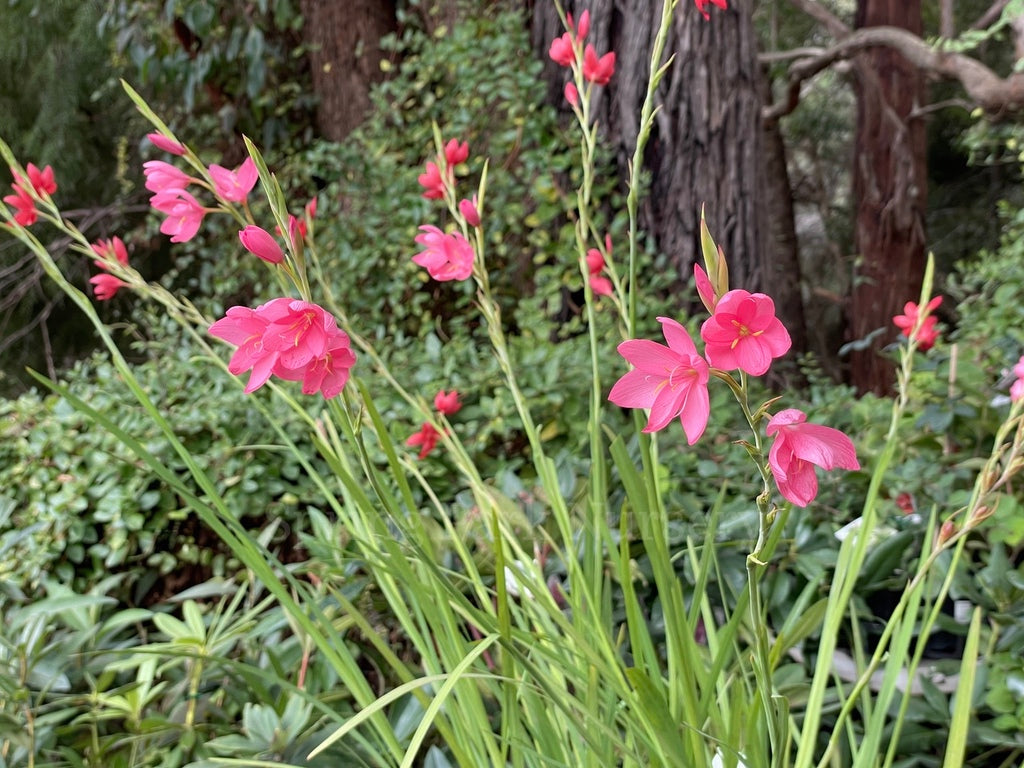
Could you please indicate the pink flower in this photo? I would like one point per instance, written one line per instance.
(447, 403)
(572, 95)
(562, 51)
(234, 186)
(105, 286)
(161, 176)
(108, 250)
(326, 374)
(432, 182)
(704, 288)
(671, 381)
(42, 181)
(160, 141)
(600, 285)
(447, 257)
(298, 331)
(426, 438)
(291, 339)
(744, 333)
(311, 209)
(702, 6)
(184, 214)
(598, 70)
(469, 212)
(261, 243)
(24, 206)
(455, 153)
(244, 327)
(1017, 388)
(797, 447)
(926, 335)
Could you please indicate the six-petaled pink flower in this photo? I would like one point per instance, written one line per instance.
(446, 257)
(234, 186)
(426, 439)
(447, 402)
(702, 6)
(161, 176)
(432, 182)
(42, 181)
(798, 447)
(562, 50)
(671, 381)
(456, 152)
(261, 243)
(744, 333)
(105, 286)
(160, 141)
(110, 250)
(327, 373)
(598, 70)
(184, 214)
(926, 334)
(24, 206)
(1017, 388)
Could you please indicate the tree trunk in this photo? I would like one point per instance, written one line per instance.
(707, 145)
(890, 189)
(345, 54)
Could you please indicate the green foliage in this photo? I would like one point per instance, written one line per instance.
(76, 507)
(227, 67)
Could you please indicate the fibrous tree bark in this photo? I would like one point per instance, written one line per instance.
(889, 188)
(345, 53)
(707, 146)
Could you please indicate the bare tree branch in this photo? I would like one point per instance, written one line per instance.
(994, 94)
(823, 16)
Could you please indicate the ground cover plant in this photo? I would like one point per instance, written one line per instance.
(600, 586)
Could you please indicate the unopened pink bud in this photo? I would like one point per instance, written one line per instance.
(469, 212)
(261, 243)
(166, 144)
(584, 25)
(572, 95)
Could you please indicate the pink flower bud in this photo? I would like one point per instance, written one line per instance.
(469, 212)
(160, 141)
(584, 26)
(261, 243)
(572, 95)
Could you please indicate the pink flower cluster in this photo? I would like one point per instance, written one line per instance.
(26, 191)
(106, 285)
(292, 339)
(168, 183)
(447, 256)
(742, 333)
(566, 51)
(447, 404)
(921, 330)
